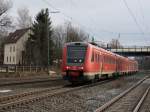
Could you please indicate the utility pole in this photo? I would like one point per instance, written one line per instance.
(48, 44)
(47, 35)
(48, 57)
(117, 40)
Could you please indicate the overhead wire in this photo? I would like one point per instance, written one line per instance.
(69, 17)
(95, 29)
(142, 14)
(133, 17)
(81, 25)
(135, 20)
(143, 17)
(102, 30)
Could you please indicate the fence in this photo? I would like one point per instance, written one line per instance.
(13, 69)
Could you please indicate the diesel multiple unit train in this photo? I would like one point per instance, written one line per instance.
(83, 61)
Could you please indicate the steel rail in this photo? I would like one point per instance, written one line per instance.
(115, 99)
(136, 109)
(27, 82)
(21, 99)
(8, 98)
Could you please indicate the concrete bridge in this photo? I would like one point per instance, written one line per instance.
(132, 51)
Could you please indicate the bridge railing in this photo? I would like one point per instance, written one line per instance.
(134, 46)
(131, 50)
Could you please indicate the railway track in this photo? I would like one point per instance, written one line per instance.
(30, 97)
(143, 104)
(21, 82)
(129, 101)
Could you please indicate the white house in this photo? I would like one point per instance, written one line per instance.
(15, 47)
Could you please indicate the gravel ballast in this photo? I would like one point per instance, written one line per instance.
(84, 100)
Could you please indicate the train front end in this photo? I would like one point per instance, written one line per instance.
(73, 59)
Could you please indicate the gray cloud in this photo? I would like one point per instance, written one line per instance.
(98, 17)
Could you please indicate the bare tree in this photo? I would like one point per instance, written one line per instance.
(24, 18)
(75, 34)
(114, 43)
(5, 21)
(66, 33)
(58, 36)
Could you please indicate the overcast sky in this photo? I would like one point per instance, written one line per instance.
(103, 19)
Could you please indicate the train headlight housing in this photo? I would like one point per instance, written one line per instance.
(80, 60)
(81, 68)
(67, 67)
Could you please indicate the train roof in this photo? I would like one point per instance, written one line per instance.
(98, 47)
(77, 43)
(111, 53)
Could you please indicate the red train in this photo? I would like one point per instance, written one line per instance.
(84, 61)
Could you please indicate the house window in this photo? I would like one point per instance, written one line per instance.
(14, 48)
(10, 58)
(10, 49)
(7, 58)
(14, 59)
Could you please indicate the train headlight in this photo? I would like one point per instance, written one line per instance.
(67, 67)
(75, 61)
(81, 68)
(80, 60)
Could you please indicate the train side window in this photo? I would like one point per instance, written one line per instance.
(95, 57)
(104, 59)
(100, 58)
(92, 59)
(111, 60)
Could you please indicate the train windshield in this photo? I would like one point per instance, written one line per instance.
(76, 54)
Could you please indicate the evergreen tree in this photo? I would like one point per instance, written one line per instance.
(40, 39)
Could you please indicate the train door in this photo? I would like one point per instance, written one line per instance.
(117, 65)
(101, 63)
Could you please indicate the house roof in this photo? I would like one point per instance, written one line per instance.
(15, 36)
